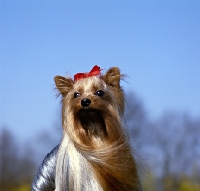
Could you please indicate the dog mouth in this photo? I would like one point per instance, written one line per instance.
(92, 122)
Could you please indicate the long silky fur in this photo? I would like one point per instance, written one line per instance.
(100, 162)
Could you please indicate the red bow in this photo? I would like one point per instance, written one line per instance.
(94, 72)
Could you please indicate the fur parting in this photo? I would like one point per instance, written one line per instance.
(74, 168)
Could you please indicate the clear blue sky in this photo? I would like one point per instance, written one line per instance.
(156, 43)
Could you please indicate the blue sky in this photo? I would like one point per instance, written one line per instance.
(155, 43)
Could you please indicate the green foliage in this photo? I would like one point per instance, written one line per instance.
(188, 184)
(22, 187)
(148, 182)
(184, 183)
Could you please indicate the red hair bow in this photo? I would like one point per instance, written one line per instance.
(94, 72)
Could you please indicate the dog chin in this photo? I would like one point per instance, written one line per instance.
(92, 122)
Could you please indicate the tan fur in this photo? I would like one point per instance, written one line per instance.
(94, 153)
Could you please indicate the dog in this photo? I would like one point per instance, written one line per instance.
(94, 154)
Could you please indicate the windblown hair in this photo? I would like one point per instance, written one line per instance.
(94, 153)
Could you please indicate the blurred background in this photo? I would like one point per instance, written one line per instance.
(155, 43)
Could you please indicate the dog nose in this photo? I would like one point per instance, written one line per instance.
(85, 102)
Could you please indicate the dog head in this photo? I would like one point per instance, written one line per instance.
(92, 104)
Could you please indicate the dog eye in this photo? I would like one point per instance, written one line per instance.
(99, 93)
(76, 95)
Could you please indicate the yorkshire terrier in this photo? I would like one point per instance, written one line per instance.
(95, 154)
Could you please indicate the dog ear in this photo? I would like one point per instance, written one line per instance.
(64, 85)
(112, 77)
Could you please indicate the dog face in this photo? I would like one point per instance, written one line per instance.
(92, 103)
